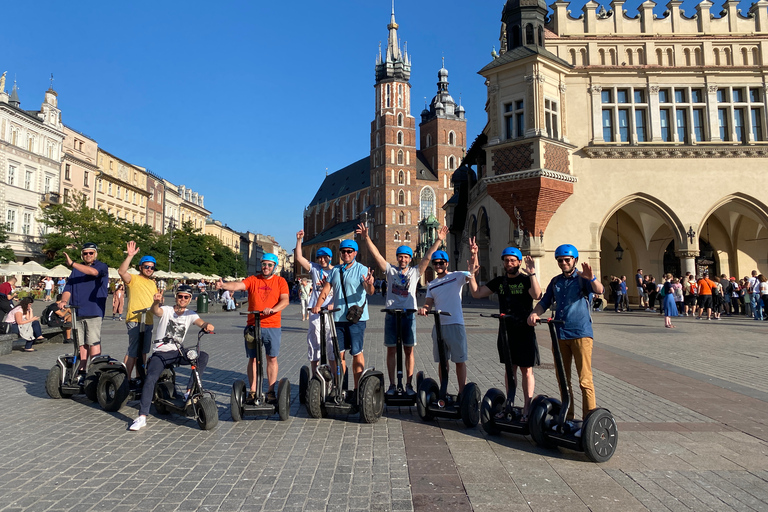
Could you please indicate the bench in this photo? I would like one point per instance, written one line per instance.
(10, 342)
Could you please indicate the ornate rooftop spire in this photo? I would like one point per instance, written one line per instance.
(395, 63)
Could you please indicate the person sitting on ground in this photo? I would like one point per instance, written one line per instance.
(171, 329)
(229, 301)
(22, 321)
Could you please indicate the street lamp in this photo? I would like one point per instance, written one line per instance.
(171, 226)
(619, 251)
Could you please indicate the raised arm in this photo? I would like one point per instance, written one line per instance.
(233, 286)
(300, 259)
(530, 268)
(478, 292)
(362, 230)
(131, 251)
(85, 269)
(158, 301)
(442, 233)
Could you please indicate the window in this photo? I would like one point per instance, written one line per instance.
(400, 158)
(47, 184)
(11, 178)
(389, 100)
(550, 117)
(402, 218)
(400, 138)
(514, 119)
(85, 178)
(624, 116)
(400, 96)
(397, 236)
(688, 107)
(109, 189)
(740, 113)
(30, 143)
(66, 195)
(451, 139)
(28, 180)
(99, 184)
(134, 197)
(401, 178)
(399, 119)
(401, 198)
(451, 163)
(67, 172)
(26, 223)
(427, 203)
(118, 195)
(429, 140)
(407, 236)
(10, 221)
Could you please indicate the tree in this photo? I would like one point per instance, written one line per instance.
(6, 253)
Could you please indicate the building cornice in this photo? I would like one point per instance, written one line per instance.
(524, 175)
(13, 111)
(13, 149)
(660, 151)
(78, 161)
(108, 177)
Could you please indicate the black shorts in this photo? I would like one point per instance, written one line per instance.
(705, 301)
(523, 347)
(690, 300)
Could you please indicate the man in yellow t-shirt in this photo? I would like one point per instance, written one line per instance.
(141, 290)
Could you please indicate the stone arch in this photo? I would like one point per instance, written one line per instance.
(654, 204)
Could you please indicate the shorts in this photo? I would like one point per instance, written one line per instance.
(642, 293)
(134, 337)
(270, 338)
(690, 300)
(705, 301)
(407, 324)
(455, 341)
(89, 331)
(523, 347)
(313, 339)
(351, 336)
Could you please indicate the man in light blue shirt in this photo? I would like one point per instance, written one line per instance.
(351, 282)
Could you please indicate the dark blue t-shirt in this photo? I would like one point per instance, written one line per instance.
(89, 292)
(572, 296)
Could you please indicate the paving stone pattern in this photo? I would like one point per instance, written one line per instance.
(690, 404)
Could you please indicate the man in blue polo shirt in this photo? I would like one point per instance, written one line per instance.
(87, 287)
(351, 281)
(572, 293)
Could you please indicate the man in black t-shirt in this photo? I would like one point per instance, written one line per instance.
(516, 292)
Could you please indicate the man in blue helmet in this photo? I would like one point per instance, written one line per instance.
(572, 292)
(319, 273)
(402, 281)
(444, 293)
(350, 282)
(141, 290)
(516, 292)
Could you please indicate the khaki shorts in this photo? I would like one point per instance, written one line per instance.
(89, 331)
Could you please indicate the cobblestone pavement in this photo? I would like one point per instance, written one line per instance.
(690, 404)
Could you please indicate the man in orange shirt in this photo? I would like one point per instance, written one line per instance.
(269, 294)
(705, 286)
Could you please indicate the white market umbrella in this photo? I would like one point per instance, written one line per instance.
(132, 271)
(215, 277)
(59, 271)
(13, 269)
(161, 274)
(35, 269)
(113, 273)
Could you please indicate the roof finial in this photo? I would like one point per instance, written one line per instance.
(443, 61)
(393, 7)
(51, 88)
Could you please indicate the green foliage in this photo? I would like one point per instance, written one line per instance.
(6, 253)
(72, 224)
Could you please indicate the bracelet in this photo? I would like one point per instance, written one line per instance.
(532, 274)
(593, 279)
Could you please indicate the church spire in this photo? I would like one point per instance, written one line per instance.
(395, 64)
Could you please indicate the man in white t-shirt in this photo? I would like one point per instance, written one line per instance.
(444, 294)
(402, 281)
(48, 288)
(318, 273)
(173, 325)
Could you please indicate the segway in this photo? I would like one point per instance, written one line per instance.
(495, 402)
(260, 406)
(599, 433)
(326, 392)
(115, 387)
(305, 374)
(200, 404)
(434, 401)
(400, 398)
(63, 379)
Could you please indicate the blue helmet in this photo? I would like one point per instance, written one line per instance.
(324, 251)
(145, 259)
(404, 249)
(512, 251)
(440, 255)
(268, 256)
(349, 244)
(566, 250)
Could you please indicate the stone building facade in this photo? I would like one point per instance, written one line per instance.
(79, 170)
(192, 208)
(121, 188)
(400, 187)
(223, 233)
(610, 132)
(155, 202)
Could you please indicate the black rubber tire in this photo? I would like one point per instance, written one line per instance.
(284, 399)
(112, 390)
(419, 379)
(492, 404)
(537, 422)
(600, 435)
(470, 405)
(91, 383)
(207, 413)
(315, 399)
(428, 392)
(165, 391)
(371, 399)
(53, 382)
(236, 398)
(304, 376)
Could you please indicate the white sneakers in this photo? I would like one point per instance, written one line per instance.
(138, 423)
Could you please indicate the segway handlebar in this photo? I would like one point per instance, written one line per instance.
(140, 311)
(399, 310)
(549, 321)
(250, 312)
(438, 312)
(326, 311)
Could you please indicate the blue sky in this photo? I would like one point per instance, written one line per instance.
(247, 102)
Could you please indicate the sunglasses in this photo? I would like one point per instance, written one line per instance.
(564, 260)
(183, 296)
(346, 251)
(149, 267)
(439, 263)
(88, 253)
(267, 264)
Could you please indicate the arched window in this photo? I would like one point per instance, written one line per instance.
(389, 99)
(394, 217)
(451, 139)
(401, 198)
(409, 219)
(529, 34)
(427, 202)
(429, 140)
(407, 236)
(399, 119)
(397, 236)
(400, 138)
(378, 140)
(402, 218)
(451, 163)
(401, 178)
(400, 157)
(400, 96)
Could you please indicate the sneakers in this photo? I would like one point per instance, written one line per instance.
(577, 433)
(409, 390)
(271, 396)
(138, 423)
(391, 390)
(250, 398)
(81, 378)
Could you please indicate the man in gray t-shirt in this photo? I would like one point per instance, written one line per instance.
(402, 281)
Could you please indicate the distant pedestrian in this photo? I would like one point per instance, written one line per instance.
(670, 309)
(118, 302)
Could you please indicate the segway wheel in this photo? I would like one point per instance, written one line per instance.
(304, 376)
(91, 384)
(470, 405)
(419, 379)
(236, 400)
(537, 421)
(164, 390)
(207, 413)
(316, 399)
(371, 399)
(284, 399)
(492, 404)
(599, 435)
(53, 382)
(112, 391)
(428, 392)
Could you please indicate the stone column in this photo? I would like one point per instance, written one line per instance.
(688, 261)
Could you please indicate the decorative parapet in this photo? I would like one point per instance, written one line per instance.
(719, 151)
(524, 175)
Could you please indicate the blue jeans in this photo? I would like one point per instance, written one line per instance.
(36, 330)
(618, 302)
(157, 363)
(757, 306)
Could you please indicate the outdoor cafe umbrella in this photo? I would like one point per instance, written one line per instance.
(59, 271)
(13, 269)
(113, 273)
(35, 268)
